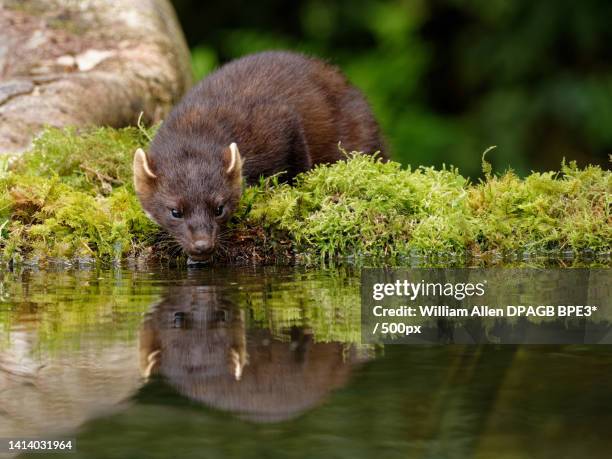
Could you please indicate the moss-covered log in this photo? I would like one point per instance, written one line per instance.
(64, 62)
(70, 197)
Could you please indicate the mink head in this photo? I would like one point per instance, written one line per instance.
(190, 190)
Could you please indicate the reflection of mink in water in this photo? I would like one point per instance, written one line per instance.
(198, 341)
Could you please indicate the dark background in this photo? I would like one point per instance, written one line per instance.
(446, 78)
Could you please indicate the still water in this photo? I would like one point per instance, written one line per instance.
(267, 363)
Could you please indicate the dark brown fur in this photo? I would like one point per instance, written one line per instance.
(197, 339)
(285, 111)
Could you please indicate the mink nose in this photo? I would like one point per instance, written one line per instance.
(202, 246)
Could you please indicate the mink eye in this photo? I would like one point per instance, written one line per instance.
(176, 213)
(219, 211)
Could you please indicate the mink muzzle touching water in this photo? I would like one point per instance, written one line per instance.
(256, 116)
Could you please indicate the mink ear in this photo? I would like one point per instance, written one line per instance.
(143, 174)
(149, 350)
(233, 161)
(238, 361)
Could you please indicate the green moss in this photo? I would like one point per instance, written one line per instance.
(366, 207)
(71, 197)
(567, 210)
(93, 161)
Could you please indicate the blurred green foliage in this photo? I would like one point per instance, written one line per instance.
(446, 78)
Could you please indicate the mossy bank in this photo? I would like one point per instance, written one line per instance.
(71, 198)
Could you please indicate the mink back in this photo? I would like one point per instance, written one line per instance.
(287, 112)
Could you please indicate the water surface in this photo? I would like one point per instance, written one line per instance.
(267, 362)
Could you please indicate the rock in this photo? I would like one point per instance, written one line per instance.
(92, 62)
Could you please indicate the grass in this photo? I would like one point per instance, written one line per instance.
(71, 197)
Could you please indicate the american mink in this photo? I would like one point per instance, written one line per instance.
(256, 116)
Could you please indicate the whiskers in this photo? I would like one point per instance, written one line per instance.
(166, 245)
(222, 243)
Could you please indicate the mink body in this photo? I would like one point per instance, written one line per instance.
(286, 112)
